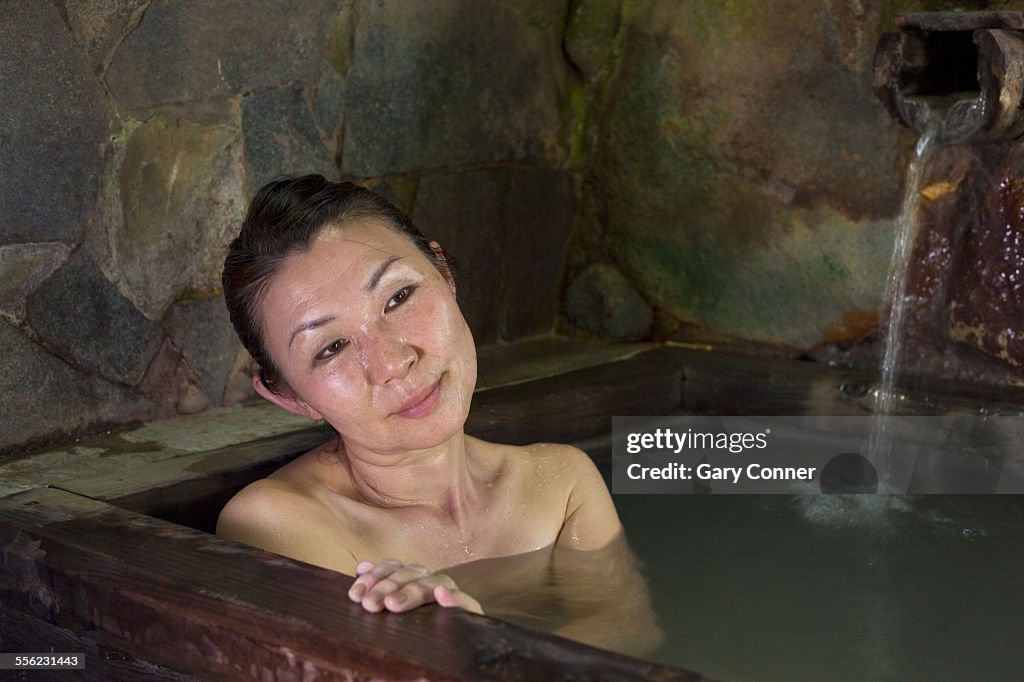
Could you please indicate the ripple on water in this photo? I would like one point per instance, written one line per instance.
(851, 510)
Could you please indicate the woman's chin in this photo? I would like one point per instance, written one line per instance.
(398, 435)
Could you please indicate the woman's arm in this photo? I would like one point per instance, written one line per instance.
(597, 574)
(606, 598)
(591, 521)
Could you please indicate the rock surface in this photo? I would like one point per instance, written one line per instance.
(461, 211)
(538, 219)
(53, 122)
(83, 317)
(729, 159)
(602, 301)
(741, 173)
(176, 201)
(281, 138)
(99, 26)
(452, 82)
(218, 48)
(172, 384)
(22, 268)
(202, 332)
(61, 399)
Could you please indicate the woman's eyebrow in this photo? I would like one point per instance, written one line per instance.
(370, 285)
(379, 272)
(308, 326)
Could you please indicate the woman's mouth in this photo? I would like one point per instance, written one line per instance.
(422, 403)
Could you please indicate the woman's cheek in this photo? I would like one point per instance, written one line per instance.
(337, 386)
(429, 320)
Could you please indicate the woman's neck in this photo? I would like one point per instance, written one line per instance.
(440, 477)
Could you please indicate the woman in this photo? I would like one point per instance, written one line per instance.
(352, 317)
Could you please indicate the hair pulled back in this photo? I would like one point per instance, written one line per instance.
(284, 218)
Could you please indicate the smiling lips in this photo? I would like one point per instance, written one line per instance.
(421, 404)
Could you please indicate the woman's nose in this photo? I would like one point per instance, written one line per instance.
(388, 358)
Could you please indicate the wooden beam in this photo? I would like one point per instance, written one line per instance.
(198, 605)
(22, 632)
(578, 405)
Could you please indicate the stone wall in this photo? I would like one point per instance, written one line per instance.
(134, 132)
(740, 173)
(741, 181)
(629, 168)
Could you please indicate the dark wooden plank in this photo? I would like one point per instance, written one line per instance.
(578, 405)
(23, 633)
(203, 606)
(728, 384)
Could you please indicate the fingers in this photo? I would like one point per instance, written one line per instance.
(392, 585)
(410, 596)
(377, 581)
(449, 597)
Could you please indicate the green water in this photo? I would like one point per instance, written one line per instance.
(792, 588)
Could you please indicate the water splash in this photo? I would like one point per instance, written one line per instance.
(879, 445)
(836, 511)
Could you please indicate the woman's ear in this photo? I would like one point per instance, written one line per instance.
(287, 402)
(442, 260)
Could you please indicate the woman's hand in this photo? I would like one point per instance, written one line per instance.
(397, 587)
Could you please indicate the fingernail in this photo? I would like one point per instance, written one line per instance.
(399, 598)
(357, 592)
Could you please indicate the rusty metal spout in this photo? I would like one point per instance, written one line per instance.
(960, 71)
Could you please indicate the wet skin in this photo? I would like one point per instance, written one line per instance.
(367, 334)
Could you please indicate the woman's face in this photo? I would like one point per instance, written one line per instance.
(368, 335)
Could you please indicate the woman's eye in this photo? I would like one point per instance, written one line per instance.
(333, 349)
(401, 297)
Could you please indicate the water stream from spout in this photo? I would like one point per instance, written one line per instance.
(879, 446)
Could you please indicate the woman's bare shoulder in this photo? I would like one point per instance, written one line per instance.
(552, 464)
(558, 457)
(287, 488)
(264, 506)
(281, 515)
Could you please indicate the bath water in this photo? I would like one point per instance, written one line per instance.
(834, 588)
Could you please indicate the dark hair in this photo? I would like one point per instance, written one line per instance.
(284, 218)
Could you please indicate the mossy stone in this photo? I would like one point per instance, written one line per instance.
(602, 301)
